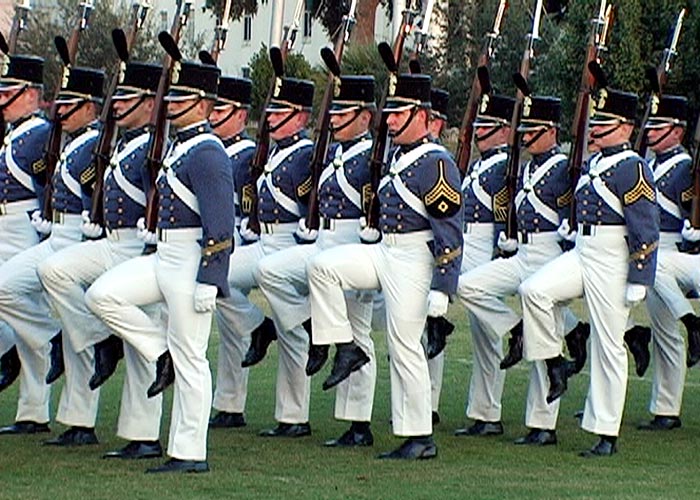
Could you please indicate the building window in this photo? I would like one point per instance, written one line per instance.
(308, 20)
(164, 20)
(245, 71)
(247, 28)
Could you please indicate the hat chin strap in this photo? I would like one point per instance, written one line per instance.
(64, 116)
(347, 123)
(130, 110)
(13, 98)
(403, 128)
(540, 133)
(607, 132)
(660, 139)
(281, 124)
(494, 129)
(175, 116)
(226, 118)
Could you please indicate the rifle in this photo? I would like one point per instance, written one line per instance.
(695, 206)
(68, 50)
(108, 130)
(600, 29)
(332, 58)
(657, 79)
(158, 122)
(466, 131)
(278, 57)
(380, 146)
(220, 31)
(421, 37)
(19, 24)
(520, 79)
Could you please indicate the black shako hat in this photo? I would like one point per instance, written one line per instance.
(539, 112)
(81, 84)
(494, 110)
(136, 79)
(439, 101)
(351, 92)
(19, 70)
(407, 91)
(233, 90)
(612, 106)
(189, 79)
(291, 94)
(667, 110)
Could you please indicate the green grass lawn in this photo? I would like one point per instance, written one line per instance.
(244, 465)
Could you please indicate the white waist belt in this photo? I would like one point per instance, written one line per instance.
(276, 228)
(478, 227)
(180, 234)
(18, 207)
(599, 230)
(407, 239)
(127, 233)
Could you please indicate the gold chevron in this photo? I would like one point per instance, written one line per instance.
(565, 199)
(640, 190)
(247, 193)
(442, 189)
(687, 195)
(216, 247)
(500, 205)
(446, 258)
(647, 249)
(88, 175)
(39, 166)
(304, 188)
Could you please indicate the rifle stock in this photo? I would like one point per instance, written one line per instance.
(53, 144)
(158, 122)
(600, 29)
(323, 122)
(466, 131)
(380, 146)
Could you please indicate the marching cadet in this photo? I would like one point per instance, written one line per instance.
(68, 273)
(612, 265)
(23, 304)
(542, 199)
(416, 264)
(485, 201)
(676, 272)
(188, 270)
(21, 163)
(282, 275)
(283, 190)
(228, 121)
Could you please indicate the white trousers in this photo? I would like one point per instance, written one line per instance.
(65, 276)
(170, 275)
(597, 270)
(16, 235)
(139, 415)
(293, 386)
(676, 273)
(401, 265)
(283, 280)
(481, 291)
(23, 305)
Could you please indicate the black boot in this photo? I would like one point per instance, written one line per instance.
(558, 371)
(438, 330)
(692, 326)
(165, 375)
(515, 347)
(637, 339)
(57, 367)
(359, 434)
(349, 357)
(576, 344)
(261, 338)
(318, 354)
(606, 447)
(107, 355)
(9, 368)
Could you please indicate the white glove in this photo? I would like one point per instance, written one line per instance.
(205, 298)
(565, 232)
(89, 228)
(303, 234)
(40, 224)
(437, 303)
(246, 233)
(689, 233)
(144, 234)
(635, 293)
(507, 244)
(368, 234)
